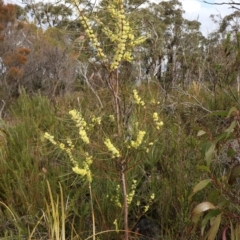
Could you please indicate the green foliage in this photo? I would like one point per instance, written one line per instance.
(220, 202)
(28, 161)
(169, 169)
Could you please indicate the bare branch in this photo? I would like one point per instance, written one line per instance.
(231, 4)
(222, 3)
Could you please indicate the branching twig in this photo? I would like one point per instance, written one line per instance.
(198, 103)
(232, 3)
(83, 71)
(2, 108)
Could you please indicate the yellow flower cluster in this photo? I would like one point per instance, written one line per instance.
(88, 159)
(88, 29)
(121, 34)
(139, 140)
(112, 118)
(150, 144)
(116, 225)
(60, 145)
(81, 124)
(115, 198)
(158, 123)
(70, 144)
(155, 116)
(138, 41)
(96, 120)
(112, 149)
(127, 56)
(113, 37)
(154, 102)
(79, 171)
(50, 138)
(122, 31)
(152, 197)
(132, 192)
(85, 171)
(137, 99)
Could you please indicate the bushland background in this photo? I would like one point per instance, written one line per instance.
(48, 67)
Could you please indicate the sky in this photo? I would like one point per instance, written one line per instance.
(198, 10)
(194, 10)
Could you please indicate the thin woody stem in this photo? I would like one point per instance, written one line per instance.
(125, 204)
(93, 216)
(113, 85)
(116, 99)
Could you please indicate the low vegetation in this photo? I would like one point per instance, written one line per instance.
(42, 198)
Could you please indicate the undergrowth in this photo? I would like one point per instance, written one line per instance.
(29, 163)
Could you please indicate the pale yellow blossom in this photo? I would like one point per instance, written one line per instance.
(84, 136)
(152, 197)
(132, 192)
(137, 99)
(80, 171)
(139, 140)
(96, 120)
(155, 116)
(50, 138)
(89, 159)
(70, 144)
(62, 146)
(112, 148)
(116, 225)
(158, 123)
(112, 118)
(81, 124)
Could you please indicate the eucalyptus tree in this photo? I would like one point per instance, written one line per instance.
(223, 52)
(174, 47)
(48, 14)
(190, 58)
(162, 22)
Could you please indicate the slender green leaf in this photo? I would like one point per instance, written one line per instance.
(212, 213)
(235, 173)
(219, 113)
(233, 109)
(195, 220)
(237, 231)
(209, 154)
(214, 228)
(222, 204)
(230, 129)
(223, 135)
(232, 231)
(201, 185)
(205, 145)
